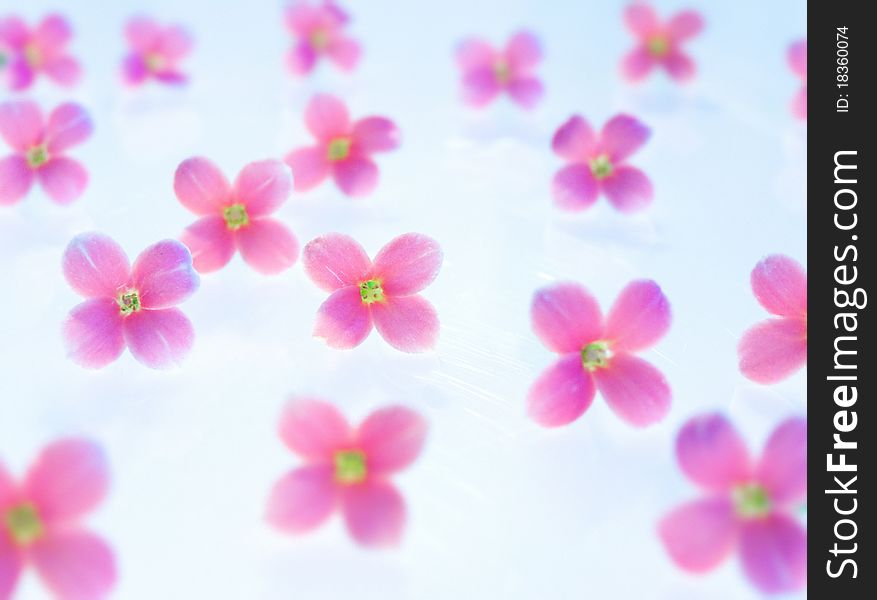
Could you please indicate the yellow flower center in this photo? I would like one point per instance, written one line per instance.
(502, 71)
(339, 149)
(596, 355)
(350, 466)
(37, 156)
(235, 216)
(24, 524)
(601, 167)
(319, 40)
(154, 62)
(371, 291)
(751, 501)
(129, 302)
(33, 56)
(658, 46)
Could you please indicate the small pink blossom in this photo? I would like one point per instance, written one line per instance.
(40, 523)
(660, 43)
(156, 52)
(128, 306)
(38, 146)
(25, 52)
(775, 349)
(236, 217)
(749, 504)
(599, 354)
(598, 163)
(343, 148)
(318, 30)
(797, 57)
(345, 468)
(382, 293)
(487, 72)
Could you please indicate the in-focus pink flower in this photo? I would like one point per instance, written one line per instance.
(343, 148)
(599, 354)
(39, 145)
(382, 293)
(318, 30)
(660, 43)
(128, 306)
(27, 52)
(156, 52)
(236, 217)
(487, 72)
(598, 163)
(748, 505)
(797, 57)
(40, 523)
(345, 468)
(775, 349)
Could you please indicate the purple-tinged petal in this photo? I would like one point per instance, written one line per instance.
(639, 317)
(684, 25)
(637, 64)
(623, 135)
(391, 439)
(21, 124)
(375, 134)
(701, 534)
(326, 117)
(11, 566)
(159, 338)
(526, 91)
(172, 77)
(174, 43)
(523, 52)
(374, 512)
(407, 264)
(773, 350)
(408, 323)
(473, 54)
(75, 564)
(310, 167)
(263, 186)
(574, 188)
(211, 243)
(566, 317)
(314, 429)
(267, 245)
(562, 393)
(95, 265)
(780, 285)
(163, 275)
(628, 189)
(782, 469)
(356, 176)
(343, 321)
(16, 179)
(93, 333)
(335, 260)
(575, 140)
(634, 389)
(679, 66)
(301, 58)
(201, 187)
(774, 553)
(68, 125)
(344, 52)
(797, 57)
(19, 74)
(134, 70)
(712, 454)
(303, 499)
(480, 87)
(63, 179)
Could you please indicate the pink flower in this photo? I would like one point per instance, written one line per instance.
(597, 353)
(598, 164)
(774, 349)
(26, 52)
(236, 217)
(39, 147)
(319, 31)
(797, 57)
(346, 468)
(380, 293)
(343, 148)
(128, 306)
(660, 44)
(40, 523)
(488, 72)
(155, 52)
(748, 504)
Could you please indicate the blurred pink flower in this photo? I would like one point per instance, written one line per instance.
(380, 293)
(128, 306)
(775, 349)
(39, 147)
(343, 148)
(797, 57)
(487, 72)
(345, 468)
(25, 52)
(598, 164)
(236, 217)
(40, 523)
(660, 43)
(598, 354)
(749, 505)
(155, 52)
(319, 31)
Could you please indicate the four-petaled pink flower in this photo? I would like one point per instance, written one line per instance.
(39, 148)
(319, 31)
(380, 293)
(343, 149)
(40, 523)
(749, 503)
(797, 57)
(660, 43)
(598, 353)
(24, 52)
(236, 217)
(774, 349)
(128, 306)
(487, 72)
(598, 164)
(155, 53)
(346, 468)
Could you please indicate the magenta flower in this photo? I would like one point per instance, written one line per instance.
(40, 523)
(748, 505)
(24, 52)
(343, 148)
(598, 354)
(156, 52)
(39, 147)
(660, 43)
(797, 57)
(380, 293)
(236, 217)
(128, 306)
(318, 30)
(598, 164)
(347, 468)
(775, 349)
(488, 72)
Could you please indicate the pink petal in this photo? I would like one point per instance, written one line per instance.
(574, 188)
(797, 57)
(639, 318)
(375, 134)
(391, 439)
(574, 140)
(95, 265)
(63, 179)
(93, 333)
(623, 135)
(310, 166)
(163, 275)
(69, 124)
(408, 323)
(526, 91)
(374, 513)
(201, 187)
(407, 264)
(562, 393)
(475, 54)
(19, 74)
(679, 66)
(356, 176)
(314, 429)
(774, 553)
(14, 31)
(302, 58)
(326, 117)
(134, 71)
(263, 186)
(523, 51)
(267, 245)
(343, 321)
(641, 19)
(53, 33)
(172, 77)
(21, 124)
(16, 179)
(63, 70)
(700, 535)
(780, 285)
(8, 487)
(566, 317)
(303, 499)
(712, 454)
(75, 565)
(344, 52)
(334, 260)
(480, 87)
(210, 242)
(141, 33)
(634, 389)
(159, 338)
(773, 350)
(684, 25)
(799, 104)
(300, 17)
(637, 64)
(11, 565)
(174, 43)
(628, 189)
(783, 466)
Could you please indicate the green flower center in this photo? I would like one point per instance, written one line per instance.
(751, 501)
(350, 466)
(595, 355)
(659, 45)
(129, 302)
(235, 216)
(154, 62)
(371, 291)
(319, 40)
(37, 156)
(502, 71)
(2, 60)
(601, 167)
(24, 524)
(33, 56)
(339, 149)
